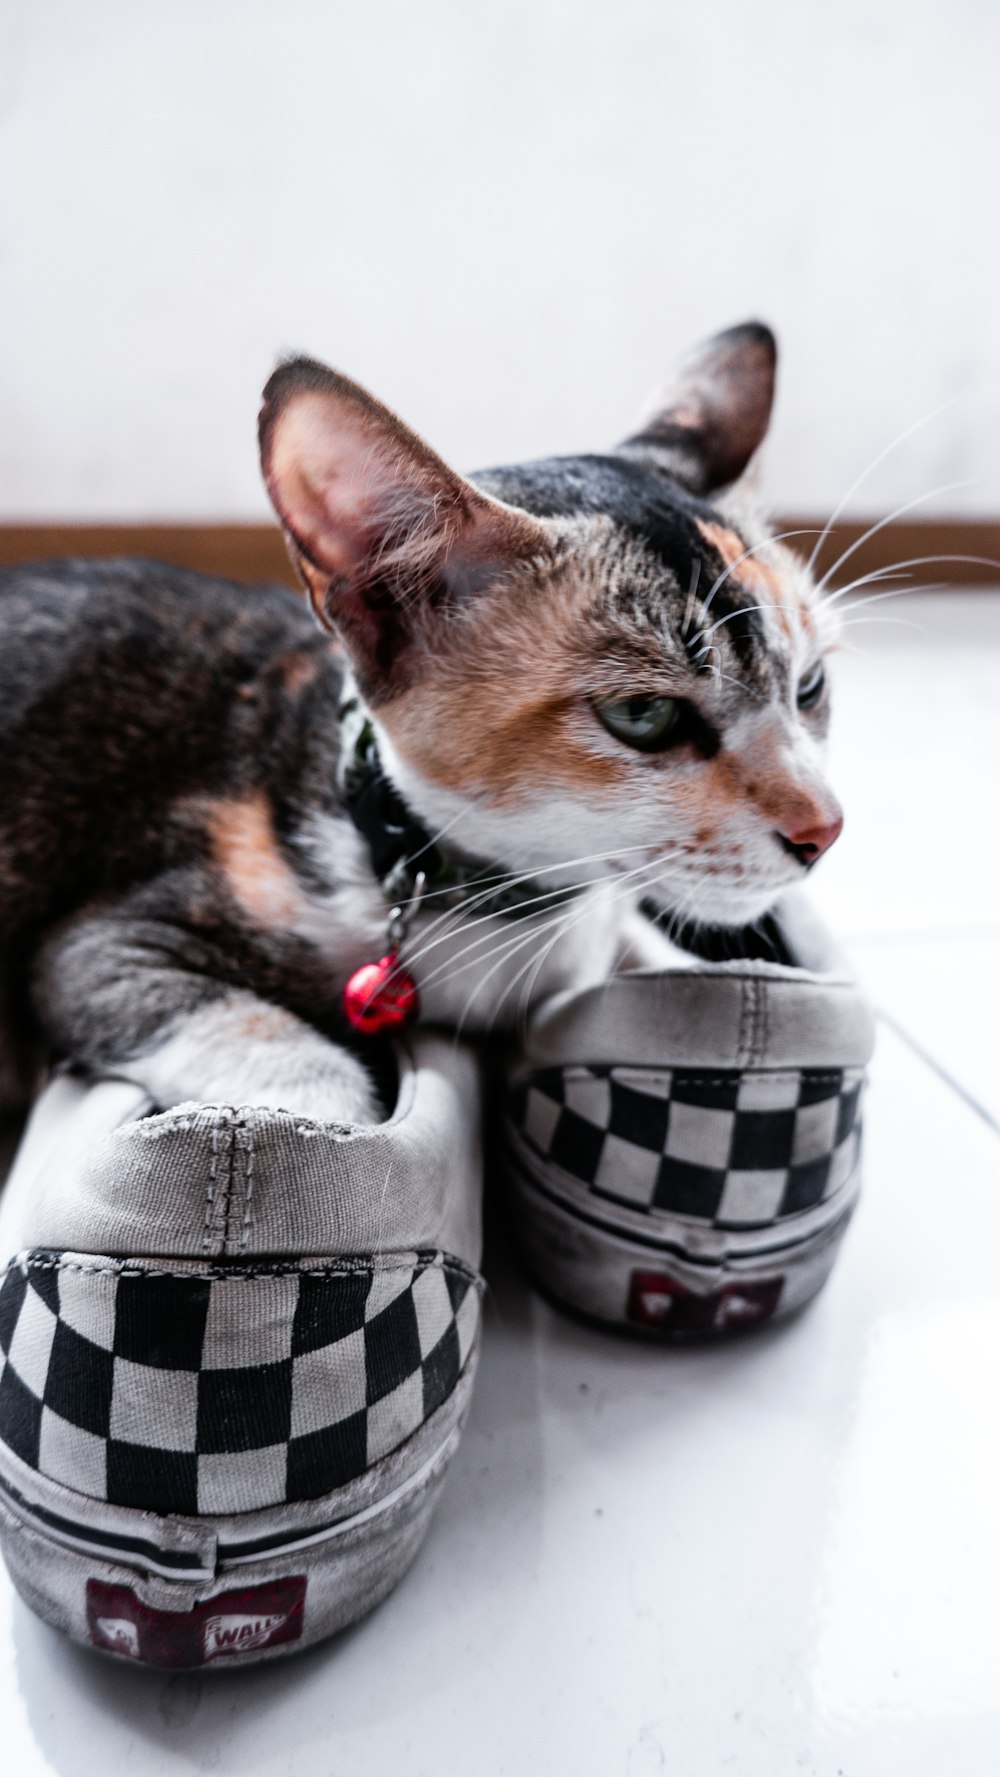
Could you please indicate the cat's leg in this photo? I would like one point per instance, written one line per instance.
(137, 997)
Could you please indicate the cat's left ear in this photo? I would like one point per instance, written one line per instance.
(704, 428)
(380, 528)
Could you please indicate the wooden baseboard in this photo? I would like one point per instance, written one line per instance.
(969, 549)
(251, 552)
(962, 551)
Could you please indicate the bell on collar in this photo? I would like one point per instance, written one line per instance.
(381, 997)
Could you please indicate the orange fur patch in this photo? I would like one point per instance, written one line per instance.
(466, 745)
(297, 671)
(497, 714)
(759, 579)
(245, 847)
(726, 785)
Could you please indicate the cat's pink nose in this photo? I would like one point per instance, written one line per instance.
(809, 841)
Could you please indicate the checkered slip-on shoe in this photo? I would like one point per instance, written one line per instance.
(237, 1349)
(683, 1146)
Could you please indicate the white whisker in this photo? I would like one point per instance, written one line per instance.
(502, 944)
(915, 561)
(743, 611)
(897, 622)
(692, 590)
(459, 915)
(899, 439)
(564, 927)
(880, 524)
(864, 604)
(723, 577)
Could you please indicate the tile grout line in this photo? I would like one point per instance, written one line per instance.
(942, 1073)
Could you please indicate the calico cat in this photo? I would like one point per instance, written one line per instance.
(533, 698)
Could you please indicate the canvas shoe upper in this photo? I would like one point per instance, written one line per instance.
(684, 1145)
(236, 1347)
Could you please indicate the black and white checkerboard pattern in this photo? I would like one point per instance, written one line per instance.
(193, 1392)
(735, 1149)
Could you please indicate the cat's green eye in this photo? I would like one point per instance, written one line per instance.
(643, 722)
(811, 687)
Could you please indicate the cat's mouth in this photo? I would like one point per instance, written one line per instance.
(710, 899)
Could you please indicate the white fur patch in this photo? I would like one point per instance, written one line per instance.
(242, 1051)
(479, 973)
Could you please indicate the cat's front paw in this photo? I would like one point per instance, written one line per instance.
(239, 1051)
(344, 1098)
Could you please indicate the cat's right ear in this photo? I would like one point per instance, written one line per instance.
(379, 527)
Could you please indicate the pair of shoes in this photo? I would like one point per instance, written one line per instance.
(238, 1346)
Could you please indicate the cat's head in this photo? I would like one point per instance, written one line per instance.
(602, 662)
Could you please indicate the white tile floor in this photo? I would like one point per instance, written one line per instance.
(776, 1557)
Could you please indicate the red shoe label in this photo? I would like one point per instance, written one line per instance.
(234, 1623)
(655, 1300)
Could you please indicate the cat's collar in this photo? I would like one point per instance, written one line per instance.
(401, 848)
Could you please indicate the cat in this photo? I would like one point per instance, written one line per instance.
(533, 698)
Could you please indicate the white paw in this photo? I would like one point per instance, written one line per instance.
(340, 1099)
(239, 1051)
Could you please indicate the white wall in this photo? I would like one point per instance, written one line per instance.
(505, 218)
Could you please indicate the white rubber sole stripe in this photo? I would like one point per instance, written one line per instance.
(125, 1551)
(675, 1247)
(239, 1554)
(146, 1557)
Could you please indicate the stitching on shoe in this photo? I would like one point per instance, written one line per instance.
(742, 1038)
(230, 1194)
(247, 1273)
(247, 1190)
(749, 1046)
(229, 1186)
(760, 1022)
(581, 1071)
(219, 1190)
(213, 1174)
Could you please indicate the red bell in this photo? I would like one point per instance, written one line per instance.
(380, 997)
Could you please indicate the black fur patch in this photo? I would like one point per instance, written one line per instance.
(652, 510)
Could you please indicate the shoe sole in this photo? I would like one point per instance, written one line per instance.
(681, 1278)
(187, 1592)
